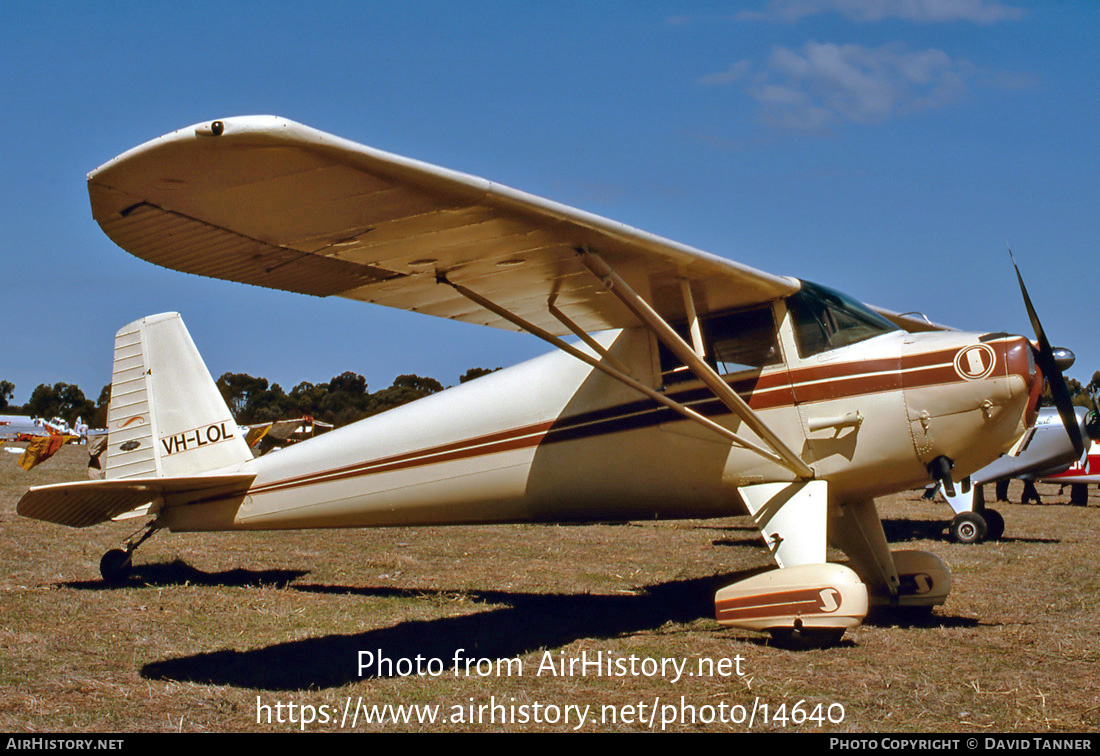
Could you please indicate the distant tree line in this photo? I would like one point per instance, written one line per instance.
(64, 400)
(342, 400)
(1087, 395)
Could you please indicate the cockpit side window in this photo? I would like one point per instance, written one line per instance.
(742, 340)
(825, 319)
(735, 341)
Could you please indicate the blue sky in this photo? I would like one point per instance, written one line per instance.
(888, 149)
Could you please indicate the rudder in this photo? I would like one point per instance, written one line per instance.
(166, 417)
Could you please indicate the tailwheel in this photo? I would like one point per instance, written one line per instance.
(969, 527)
(995, 524)
(115, 566)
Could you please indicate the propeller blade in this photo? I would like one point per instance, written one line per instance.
(1045, 358)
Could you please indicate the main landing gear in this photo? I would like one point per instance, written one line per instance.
(805, 606)
(809, 602)
(116, 564)
(801, 637)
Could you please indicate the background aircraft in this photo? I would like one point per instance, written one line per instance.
(1043, 452)
(1079, 475)
(13, 425)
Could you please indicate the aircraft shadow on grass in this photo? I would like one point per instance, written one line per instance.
(749, 541)
(180, 572)
(526, 623)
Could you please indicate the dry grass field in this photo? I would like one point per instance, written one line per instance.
(213, 628)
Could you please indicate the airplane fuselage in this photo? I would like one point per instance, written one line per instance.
(553, 439)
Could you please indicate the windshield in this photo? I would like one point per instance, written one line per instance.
(825, 319)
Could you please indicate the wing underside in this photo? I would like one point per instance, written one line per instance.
(266, 201)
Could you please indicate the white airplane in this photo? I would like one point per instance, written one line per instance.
(709, 388)
(13, 425)
(1044, 452)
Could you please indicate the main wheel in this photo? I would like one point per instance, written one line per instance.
(969, 527)
(115, 566)
(995, 524)
(911, 615)
(798, 638)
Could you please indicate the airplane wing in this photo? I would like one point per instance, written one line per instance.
(266, 201)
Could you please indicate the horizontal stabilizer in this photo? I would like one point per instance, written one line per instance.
(89, 502)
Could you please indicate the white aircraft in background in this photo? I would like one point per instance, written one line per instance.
(13, 425)
(711, 389)
(1044, 452)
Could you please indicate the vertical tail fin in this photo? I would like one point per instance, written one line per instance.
(166, 416)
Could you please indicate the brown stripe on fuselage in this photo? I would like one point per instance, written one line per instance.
(415, 461)
(766, 390)
(488, 440)
(849, 386)
(832, 370)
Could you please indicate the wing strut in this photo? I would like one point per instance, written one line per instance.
(779, 453)
(693, 318)
(686, 354)
(534, 330)
(580, 333)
